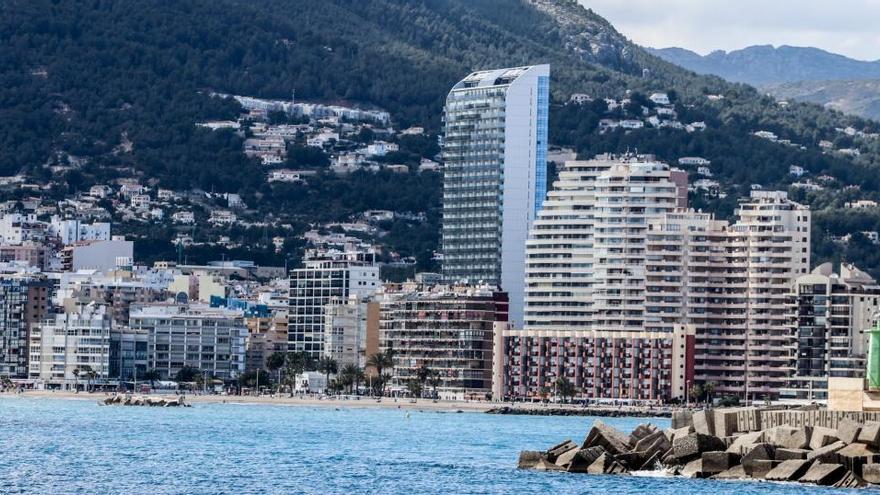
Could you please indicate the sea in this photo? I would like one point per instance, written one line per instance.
(50, 446)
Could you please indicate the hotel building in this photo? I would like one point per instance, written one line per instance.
(494, 176)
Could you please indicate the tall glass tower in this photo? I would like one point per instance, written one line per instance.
(495, 176)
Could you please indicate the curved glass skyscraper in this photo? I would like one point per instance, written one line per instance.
(495, 176)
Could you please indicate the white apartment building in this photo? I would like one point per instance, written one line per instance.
(345, 331)
(71, 231)
(494, 176)
(324, 278)
(211, 340)
(69, 344)
(732, 283)
(586, 251)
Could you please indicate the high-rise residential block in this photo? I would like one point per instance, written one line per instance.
(446, 330)
(829, 315)
(324, 278)
(494, 175)
(24, 301)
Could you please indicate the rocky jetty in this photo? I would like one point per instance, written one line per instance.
(606, 412)
(730, 444)
(139, 400)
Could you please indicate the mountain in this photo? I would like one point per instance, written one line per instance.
(788, 72)
(858, 97)
(763, 64)
(116, 87)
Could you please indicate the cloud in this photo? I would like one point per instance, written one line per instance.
(848, 27)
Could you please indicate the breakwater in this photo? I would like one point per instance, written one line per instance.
(587, 411)
(814, 446)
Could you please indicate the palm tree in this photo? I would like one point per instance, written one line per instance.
(327, 365)
(348, 374)
(297, 363)
(359, 376)
(434, 381)
(151, 376)
(565, 389)
(275, 362)
(381, 361)
(76, 378)
(414, 386)
(423, 372)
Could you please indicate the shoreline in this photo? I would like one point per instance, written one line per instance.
(371, 403)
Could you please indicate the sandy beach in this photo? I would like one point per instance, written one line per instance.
(363, 402)
(366, 403)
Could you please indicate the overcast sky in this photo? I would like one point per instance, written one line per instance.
(848, 27)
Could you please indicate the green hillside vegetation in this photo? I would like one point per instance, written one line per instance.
(78, 78)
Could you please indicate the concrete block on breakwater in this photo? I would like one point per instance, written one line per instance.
(786, 449)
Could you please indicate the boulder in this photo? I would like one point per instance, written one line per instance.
(827, 454)
(848, 430)
(559, 449)
(789, 454)
(871, 473)
(870, 433)
(545, 465)
(745, 441)
(704, 422)
(608, 437)
(692, 446)
(726, 423)
(693, 469)
(855, 455)
(584, 458)
(681, 433)
(651, 463)
(788, 437)
(642, 431)
(630, 460)
(759, 468)
(529, 458)
(734, 473)
(850, 480)
(790, 470)
(564, 459)
(656, 441)
(823, 474)
(605, 464)
(718, 461)
(758, 452)
(821, 437)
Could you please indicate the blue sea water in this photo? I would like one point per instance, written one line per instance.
(62, 446)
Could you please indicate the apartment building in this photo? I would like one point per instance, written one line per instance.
(211, 340)
(448, 330)
(830, 313)
(266, 336)
(346, 330)
(732, 283)
(24, 301)
(494, 175)
(67, 345)
(587, 243)
(628, 367)
(326, 276)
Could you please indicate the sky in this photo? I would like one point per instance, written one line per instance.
(847, 27)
